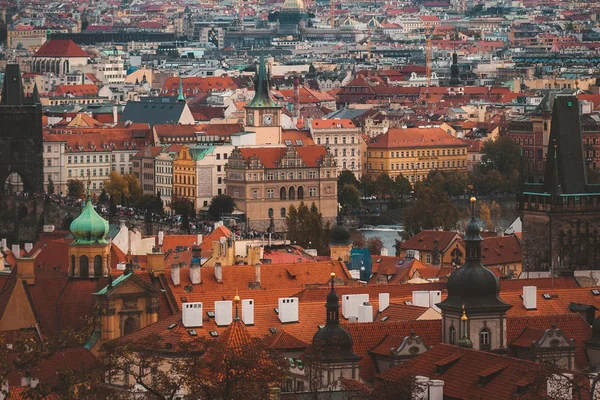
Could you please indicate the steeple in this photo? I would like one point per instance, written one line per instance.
(454, 71)
(36, 95)
(12, 88)
(333, 305)
(180, 96)
(262, 86)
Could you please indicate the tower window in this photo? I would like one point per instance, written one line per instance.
(485, 339)
(452, 335)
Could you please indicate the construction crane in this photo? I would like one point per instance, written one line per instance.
(428, 53)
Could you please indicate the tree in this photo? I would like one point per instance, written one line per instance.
(346, 178)
(117, 187)
(151, 203)
(134, 188)
(349, 197)
(452, 182)
(432, 209)
(183, 207)
(375, 245)
(50, 186)
(367, 186)
(403, 387)
(403, 188)
(220, 205)
(359, 241)
(499, 168)
(103, 197)
(305, 227)
(75, 189)
(486, 216)
(496, 212)
(385, 186)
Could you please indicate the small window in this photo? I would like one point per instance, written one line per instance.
(283, 212)
(485, 339)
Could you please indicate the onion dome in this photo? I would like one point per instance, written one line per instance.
(340, 235)
(473, 285)
(333, 343)
(293, 5)
(89, 227)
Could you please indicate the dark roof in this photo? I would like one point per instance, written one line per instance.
(164, 111)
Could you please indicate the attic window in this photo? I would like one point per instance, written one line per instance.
(273, 330)
(408, 303)
(596, 292)
(378, 260)
(299, 142)
(547, 296)
(384, 319)
(183, 299)
(171, 326)
(214, 334)
(211, 314)
(192, 332)
(288, 142)
(276, 311)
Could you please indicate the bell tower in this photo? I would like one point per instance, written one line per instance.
(263, 115)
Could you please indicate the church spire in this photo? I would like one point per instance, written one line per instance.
(180, 96)
(262, 86)
(333, 305)
(36, 95)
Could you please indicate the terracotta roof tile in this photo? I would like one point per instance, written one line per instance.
(426, 240)
(332, 123)
(284, 341)
(268, 156)
(60, 48)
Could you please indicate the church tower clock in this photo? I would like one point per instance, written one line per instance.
(263, 115)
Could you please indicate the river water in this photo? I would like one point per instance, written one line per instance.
(387, 233)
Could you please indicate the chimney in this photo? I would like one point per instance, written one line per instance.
(436, 389)
(161, 238)
(33, 382)
(191, 315)
(435, 296)
(257, 273)
(350, 303)
(115, 114)
(248, 311)
(384, 252)
(365, 313)
(28, 247)
(420, 298)
(421, 388)
(199, 239)
(223, 313)
(384, 301)
(4, 246)
(530, 297)
(16, 250)
(559, 386)
(175, 274)
(196, 254)
(288, 309)
(195, 274)
(155, 261)
(25, 270)
(219, 272)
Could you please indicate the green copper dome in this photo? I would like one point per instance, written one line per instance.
(262, 86)
(89, 227)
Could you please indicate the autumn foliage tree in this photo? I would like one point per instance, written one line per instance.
(306, 228)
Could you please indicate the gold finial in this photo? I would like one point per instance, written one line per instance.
(332, 274)
(473, 199)
(464, 316)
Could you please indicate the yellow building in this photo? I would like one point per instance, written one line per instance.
(415, 152)
(184, 175)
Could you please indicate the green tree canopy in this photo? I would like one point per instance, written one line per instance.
(346, 178)
(220, 205)
(75, 189)
(499, 168)
(306, 229)
(432, 209)
(349, 197)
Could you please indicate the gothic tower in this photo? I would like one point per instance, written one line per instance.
(21, 140)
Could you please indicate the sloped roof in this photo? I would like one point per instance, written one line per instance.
(282, 340)
(269, 156)
(60, 48)
(426, 240)
(416, 137)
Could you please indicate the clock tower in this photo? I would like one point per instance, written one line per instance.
(263, 115)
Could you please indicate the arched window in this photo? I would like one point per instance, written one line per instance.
(72, 265)
(300, 193)
(129, 326)
(282, 193)
(84, 271)
(97, 266)
(270, 212)
(452, 335)
(292, 195)
(485, 339)
(282, 212)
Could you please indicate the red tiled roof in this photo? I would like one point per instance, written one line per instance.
(332, 123)
(60, 48)
(426, 240)
(401, 312)
(416, 137)
(192, 85)
(311, 155)
(501, 250)
(295, 134)
(88, 89)
(284, 341)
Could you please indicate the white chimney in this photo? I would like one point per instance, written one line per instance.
(223, 313)
(559, 386)
(161, 238)
(257, 273)
(530, 297)
(199, 239)
(219, 272)
(16, 250)
(191, 315)
(248, 311)
(421, 388)
(384, 301)
(420, 298)
(365, 313)
(384, 251)
(28, 247)
(350, 303)
(435, 296)
(288, 309)
(436, 389)
(121, 267)
(4, 247)
(175, 274)
(115, 114)
(195, 274)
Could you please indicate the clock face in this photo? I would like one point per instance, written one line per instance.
(250, 119)
(268, 119)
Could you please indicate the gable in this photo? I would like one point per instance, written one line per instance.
(18, 313)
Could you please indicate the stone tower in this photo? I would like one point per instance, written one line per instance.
(21, 140)
(561, 216)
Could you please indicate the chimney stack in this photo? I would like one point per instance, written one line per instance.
(248, 311)
(28, 247)
(288, 309)
(191, 315)
(420, 298)
(223, 313)
(161, 238)
(115, 114)
(384, 301)
(365, 313)
(257, 273)
(155, 261)
(16, 250)
(195, 274)
(219, 272)
(436, 389)
(530, 297)
(175, 273)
